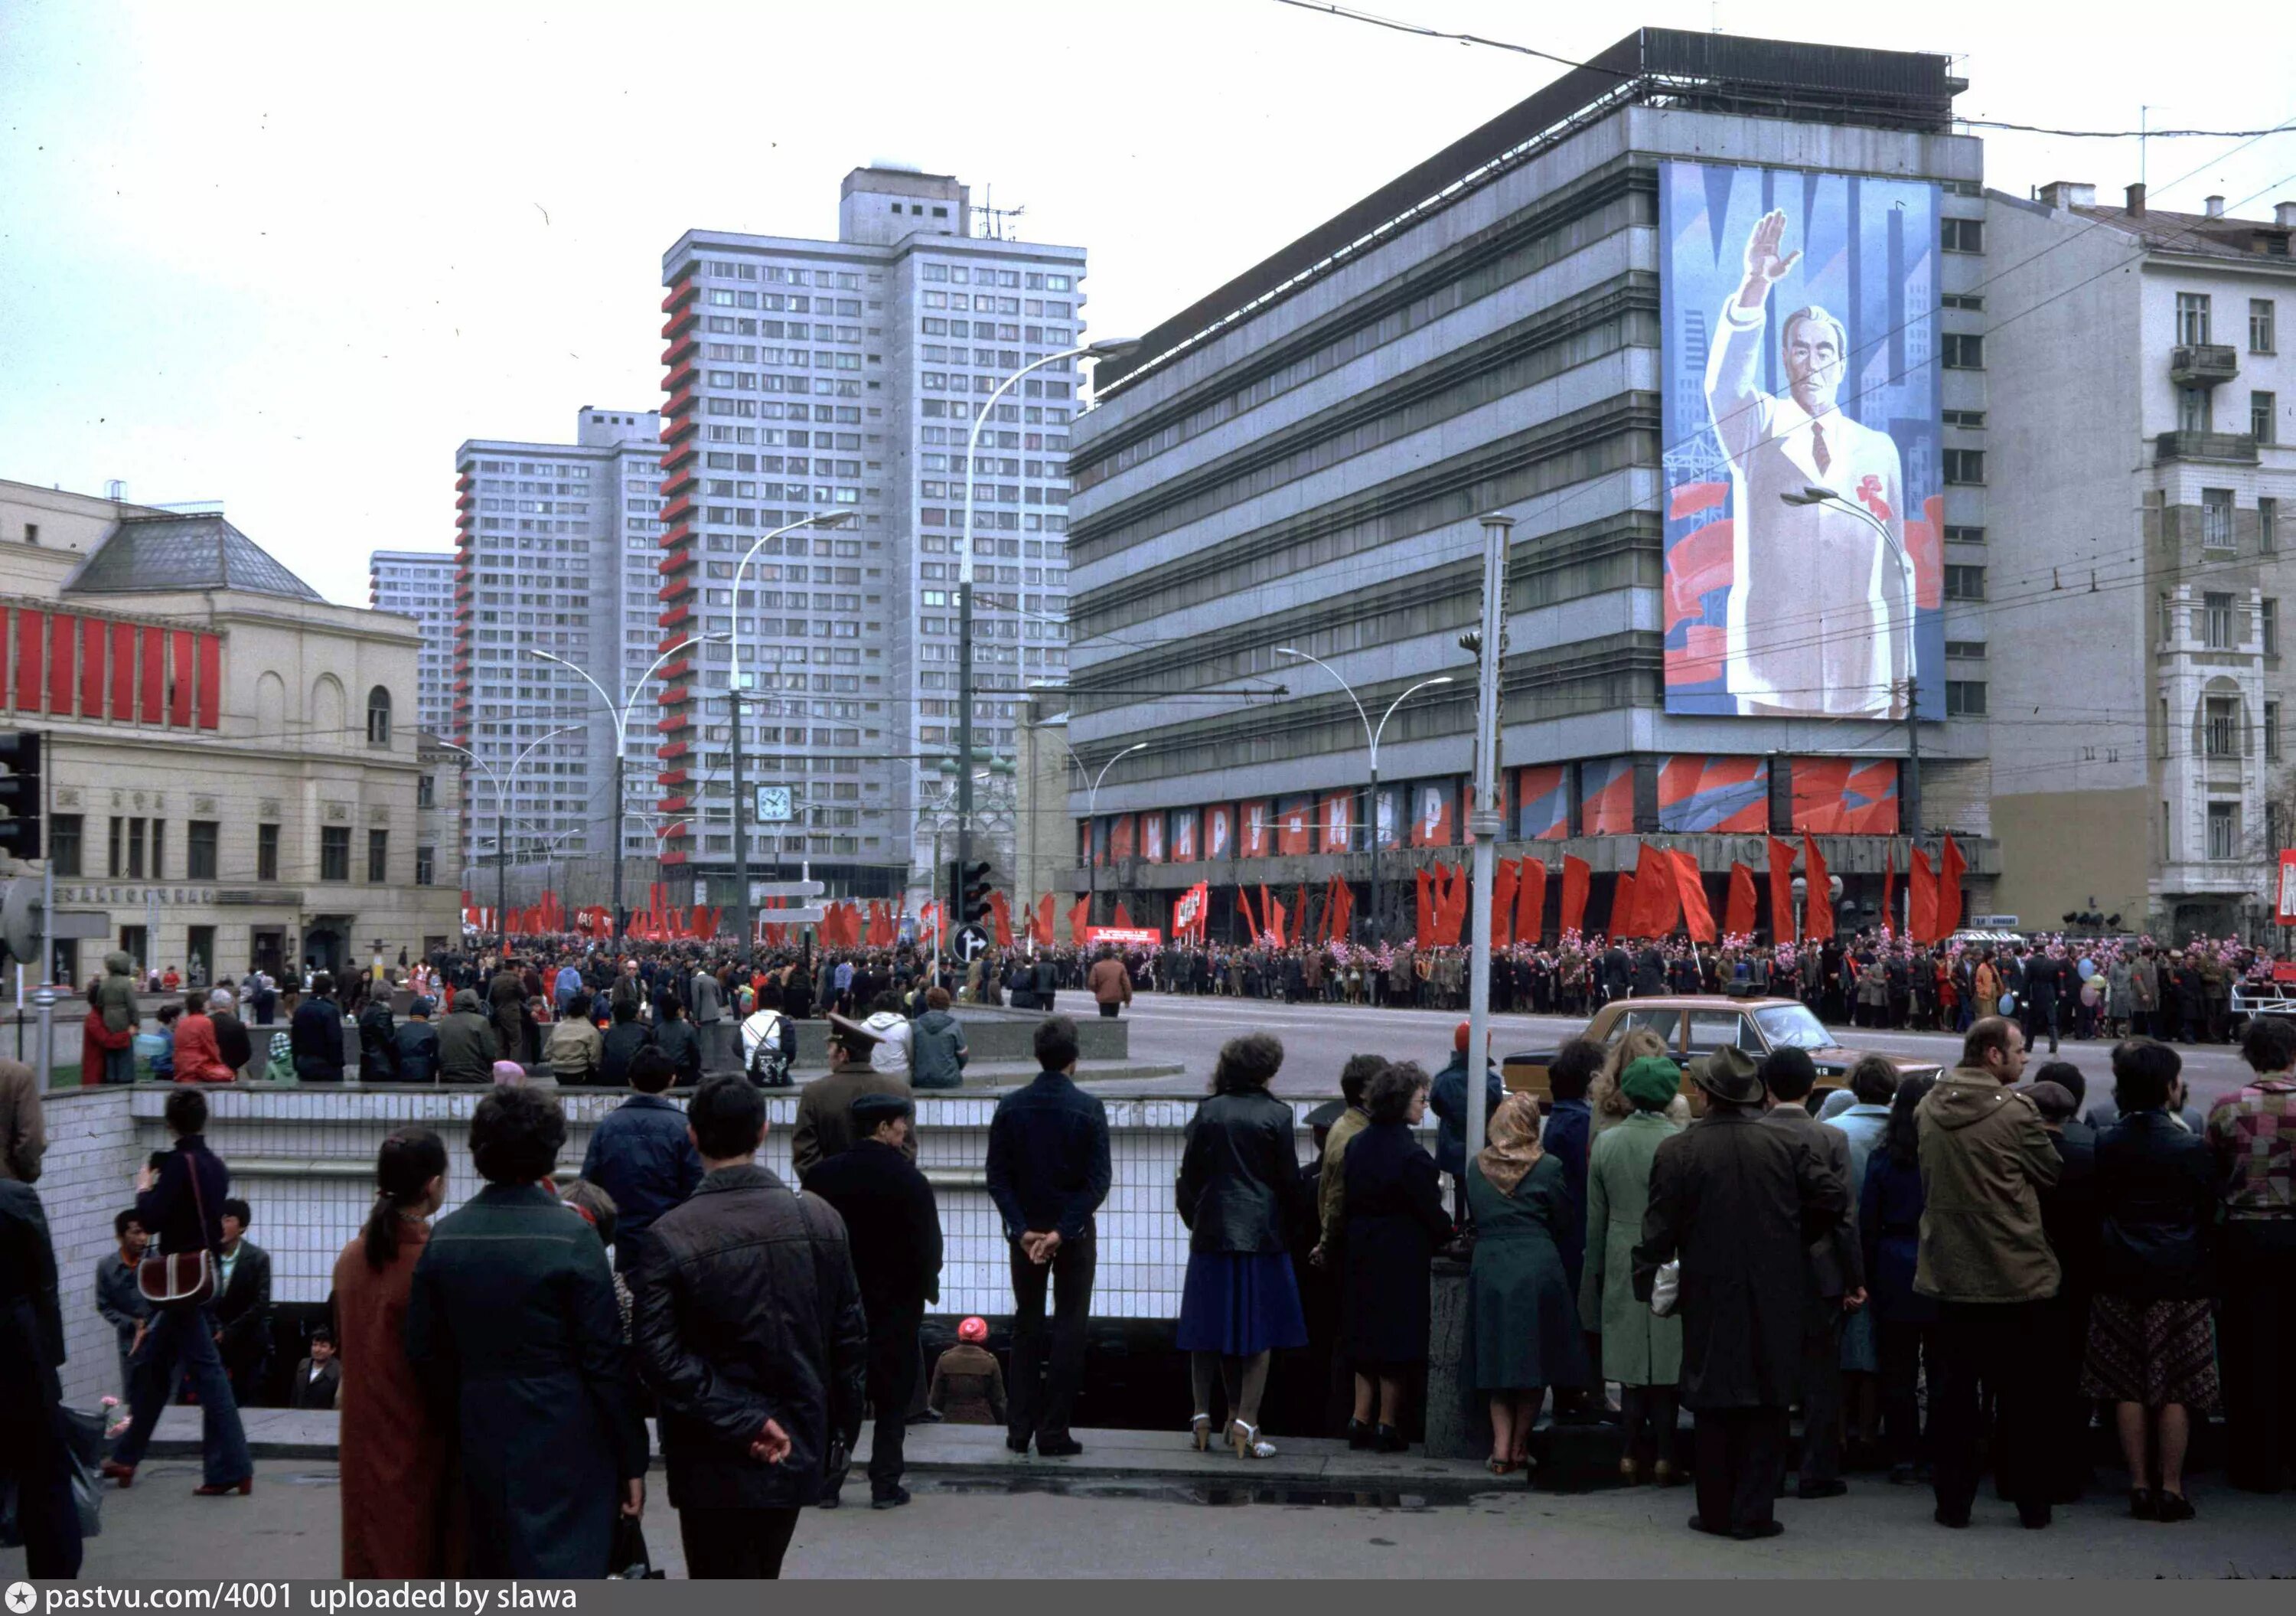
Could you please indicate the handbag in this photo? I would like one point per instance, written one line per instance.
(178, 1280)
(1665, 1289)
(631, 1562)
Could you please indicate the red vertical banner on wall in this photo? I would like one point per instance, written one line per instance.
(30, 660)
(149, 710)
(209, 656)
(179, 678)
(92, 640)
(122, 705)
(63, 670)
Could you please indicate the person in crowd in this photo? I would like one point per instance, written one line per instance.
(565, 987)
(1523, 1332)
(513, 1332)
(1738, 1206)
(155, 1046)
(641, 1155)
(749, 1332)
(2069, 1219)
(893, 1054)
(418, 1044)
(893, 1225)
(575, 1048)
(1239, 1192)
(1863, 1122)
(1392, 1220)
(1640, 1350)
(242, 1306)
(2252, 1131)
(591, 1203)
(318, 1377)
(675, 1039)
(1048, 1171)
(1607, 1104)
(1888, 1226)
(1447, 1098)
(1110, 984)
(825, 1108)
(968, 1384)
(1568, 1136)
(233, 1047)
(506, 1009)
(314, 1037)
(769, 1038)
(34, 1458)
(2152, 1337)
(1837, 1275)
(1984, 1259)
(105, 1056)
(395, 1448)
(114, 1000)
(197, 1057)
(712, 1030)
(23, 1124)
(119, 1299)
(181, 1203)
(378, 1037)
(939, 1050)
(622, 1041)
(1331, 1171)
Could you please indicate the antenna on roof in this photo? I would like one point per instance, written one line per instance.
(998, 224)
(116, 490)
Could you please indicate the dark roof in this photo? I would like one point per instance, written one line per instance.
(2205, 236)
(144, 554)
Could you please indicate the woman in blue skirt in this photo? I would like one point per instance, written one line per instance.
(1240, 1189)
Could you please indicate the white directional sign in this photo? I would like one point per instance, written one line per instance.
(970, 942)
(760, 890)
(774, 805)
(791, 918)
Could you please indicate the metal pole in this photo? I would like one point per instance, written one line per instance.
(740, 831)
(614, 921)
(502, 877)
(1484, 819)
(45, 998)
(965, 686)
(1371, 820)
(1913, 791)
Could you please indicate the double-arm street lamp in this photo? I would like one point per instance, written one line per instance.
(1372, 732)
(502, 780)
(1091, 821)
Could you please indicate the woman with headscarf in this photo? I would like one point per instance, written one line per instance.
(1606, 1099)
(1641, 1351)
(1523, 1324)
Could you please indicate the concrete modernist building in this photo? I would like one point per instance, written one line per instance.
(420, 583)
(2143, 475)
(233, 771)
(819, 377)
(1298, 462)
(555, 551)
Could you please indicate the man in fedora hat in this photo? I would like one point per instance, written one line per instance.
(1738, 1204)
(824, 1111)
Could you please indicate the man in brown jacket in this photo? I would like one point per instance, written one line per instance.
(1110, 983)
(23, 1132)
(1985, 1158)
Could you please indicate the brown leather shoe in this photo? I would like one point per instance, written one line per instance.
(125, 1475)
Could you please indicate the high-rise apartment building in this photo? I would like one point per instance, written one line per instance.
(555, 553)
(420, 583)
(813, 377)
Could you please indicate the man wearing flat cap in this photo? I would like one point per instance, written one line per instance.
(824, 1111)
(894, 1228)
(1738, 1204)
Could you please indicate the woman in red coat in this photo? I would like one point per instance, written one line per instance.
(199, 1059)
(394, 1455)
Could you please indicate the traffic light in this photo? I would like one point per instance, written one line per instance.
(20, 793)
(972, 888)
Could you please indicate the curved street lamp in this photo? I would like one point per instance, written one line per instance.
(501, 780)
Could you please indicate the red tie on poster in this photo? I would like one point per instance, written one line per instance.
(1921, 899)
(1738, 913)
(1782, 859)
(1691, 886)
(1530, 902)
(1949, 902)
(1818, 911)
(1578, 875)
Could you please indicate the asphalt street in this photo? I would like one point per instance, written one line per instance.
(1319, 1039)
(958, 1527)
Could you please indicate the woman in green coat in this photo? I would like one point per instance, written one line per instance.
(1641, 1351)
(1523, 1324)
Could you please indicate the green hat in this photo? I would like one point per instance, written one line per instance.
(1651, 1082)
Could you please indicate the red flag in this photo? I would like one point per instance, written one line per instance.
(1275, 917)
(1504, 881)
(1657, 904)
(1782, 859)
(1530, 901)
(1691, 886)
(1452, 922)
(1340, 914)
(1578, 874)
(1123, 916)
(1266, 912)
(1251, 921)
(1001, 912)
(1300, 931)
(1817, 913)
(1425, 934)
(1738, 914)
(1622, 905)
(1921, 899)
(1951, 868)
(1079, 919)
(1890, 889)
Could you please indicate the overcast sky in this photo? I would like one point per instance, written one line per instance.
(288, 257)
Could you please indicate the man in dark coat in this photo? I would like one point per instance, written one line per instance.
(34, 1460)
(378, 1043)
(1738, 1204)
(1447, 1099)
(415, 1044)
(514, 1333)
(506, 1007)
(641, 1154)
(467, 1043)
(1650, 973)
(242, 1305)
(315, 1035)
(1837, 1278)
(748, 1329)
(824, 1109)
(2069, 1218)
(894, 1226)
(1617, 972)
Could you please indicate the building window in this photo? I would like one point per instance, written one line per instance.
(1965, 235)
(334, 852)
(2272, 736)
(2267, 622)
(378, 858)
(2195, 412)
(1968, 650)
(1963, 350)
(1965, 698)
(2220, 726)
(158, 846)
(426, 860)
(426, 792)
(2224, 829)
(266, 852)
(378, 717)
(2216, 621)
(2259, 325)
(199, 850)
(1956, 533)
(2192, 318)
(2267, 517)
(126, 860)
(2261, 409)
(64, 833)
(1964, 583)
(2216, 519)
(1964, 465)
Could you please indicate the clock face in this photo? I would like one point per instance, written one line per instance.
(773, 804)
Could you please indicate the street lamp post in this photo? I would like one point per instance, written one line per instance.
(1091, 818)
(621, 717)
(1371, 738)
(964, 585)
(501, 781)
(1484, 820)
(1813, 494)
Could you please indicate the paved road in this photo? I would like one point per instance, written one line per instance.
(1318, 1040)
(985, 1529)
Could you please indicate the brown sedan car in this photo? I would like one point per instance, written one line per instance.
(1694, 1025)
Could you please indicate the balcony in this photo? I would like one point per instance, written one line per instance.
(2235, 448)
(2203, 364)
